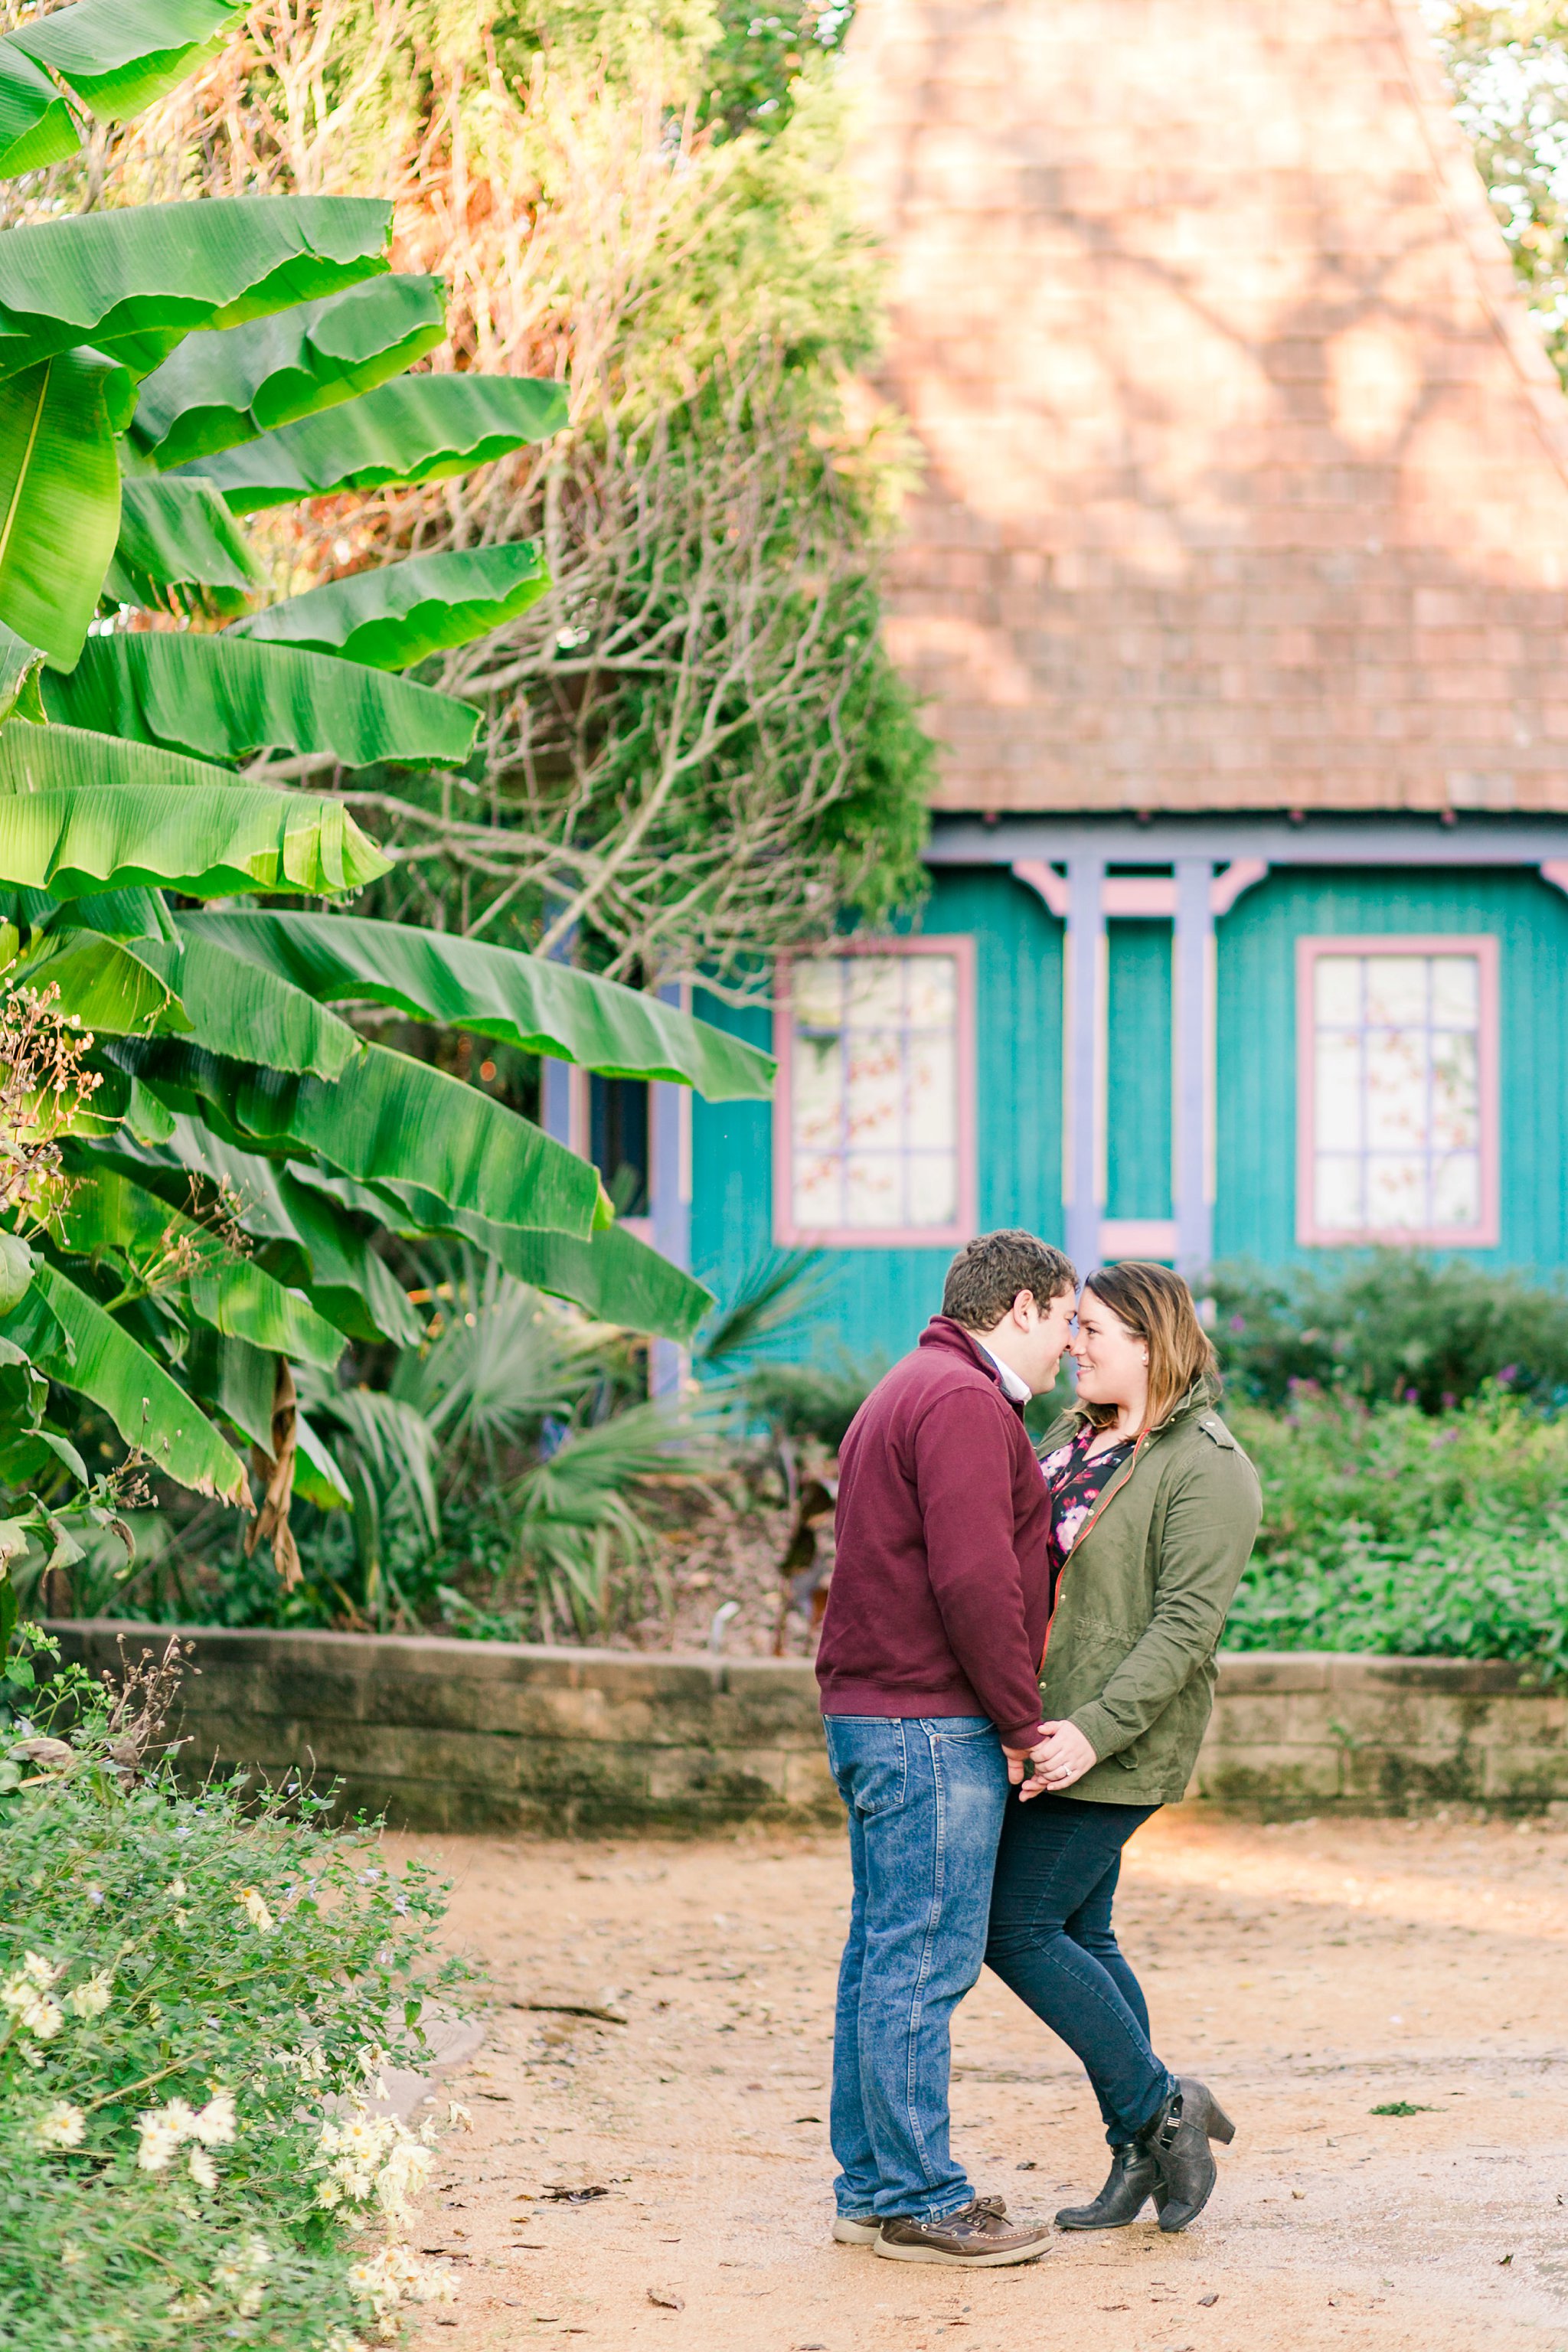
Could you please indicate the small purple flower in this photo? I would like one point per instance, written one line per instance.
(1239, 1322)
(1508, 1374)
(1449, 1400)
(1412, 1396)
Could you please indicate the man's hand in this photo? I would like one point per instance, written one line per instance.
(1063, 1756)
(1017, 1757)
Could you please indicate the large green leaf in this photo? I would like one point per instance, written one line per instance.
(303, 1236)
(114, 1214)
(173, 536)
(612, 1274)
(233, 1007)
(420, 429)
(120, 56)
(221, 698)
(135, 282)
(107, 984)
(35, 124)
(397, 614)
(237, 1380)
(219, 390)
(79, 813)
(59, 493)
(387, 1119)
(20, 663)
(147, 1407)
(526, 1001)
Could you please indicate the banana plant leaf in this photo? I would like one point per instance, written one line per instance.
(232, 1007)
(420, 429)
(525, 1001)
(118, 914)
(237, 1297)
(59, 493)
(107, 984)
(208, 841)
(397, 614)
(237, 1380)
(20, 663)
(303, 1236)
(387, 1118)
(614, 1275)
(36, 128)
(178, 535)
(134, 282)
(218, 698)
(217, 391)
(148, 1407)
(120, 56)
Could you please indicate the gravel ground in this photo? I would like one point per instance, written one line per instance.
(1312, 1972)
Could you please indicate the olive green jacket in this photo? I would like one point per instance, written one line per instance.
(1141, 1601)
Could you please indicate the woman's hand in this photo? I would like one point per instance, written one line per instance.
(1063, 1757)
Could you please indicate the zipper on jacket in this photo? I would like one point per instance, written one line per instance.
(1114, 1488)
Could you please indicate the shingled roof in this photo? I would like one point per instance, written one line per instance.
(1248, 478)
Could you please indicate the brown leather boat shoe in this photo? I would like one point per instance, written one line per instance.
(980, 2238)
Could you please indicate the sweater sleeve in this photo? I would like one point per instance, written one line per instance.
(963, 1477)
(1207, 1538)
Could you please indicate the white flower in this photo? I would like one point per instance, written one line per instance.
(457, 2116)
(92, 1996)
(392, 2276)
(201, 2168)
(177, 1890)
(255, 1909)
(214, 2124)
(26, 1995)
(256, 2254)
(250, 2302)
(61, 2126)
(71, 2254)
(158, 2143)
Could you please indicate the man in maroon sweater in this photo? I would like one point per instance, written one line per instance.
(929, 1665)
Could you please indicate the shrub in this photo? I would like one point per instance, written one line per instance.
(186, 1981)
(1387, 1531)
(1396, 1326)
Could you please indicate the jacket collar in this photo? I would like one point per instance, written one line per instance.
(1204, 1390)
(951, 1338)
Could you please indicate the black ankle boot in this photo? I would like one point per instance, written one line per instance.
(1122, 2199)
(1177, 2141)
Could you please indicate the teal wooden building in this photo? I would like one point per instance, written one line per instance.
(1237, 588)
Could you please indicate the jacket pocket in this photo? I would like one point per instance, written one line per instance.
(870, 1762)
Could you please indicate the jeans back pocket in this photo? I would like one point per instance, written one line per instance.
(870, 1762)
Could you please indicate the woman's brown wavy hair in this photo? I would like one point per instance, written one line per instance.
(1157, 1306)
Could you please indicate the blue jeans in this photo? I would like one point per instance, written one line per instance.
(1051, 1940)
(925, 1798)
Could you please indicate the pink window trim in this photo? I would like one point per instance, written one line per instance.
(1483, 946)
(786, 1233)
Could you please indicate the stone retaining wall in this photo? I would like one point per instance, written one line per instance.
(494, 1735)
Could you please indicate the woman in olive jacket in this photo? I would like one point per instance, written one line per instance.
(1154, 1512)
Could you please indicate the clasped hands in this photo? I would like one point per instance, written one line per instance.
(1060, 1756)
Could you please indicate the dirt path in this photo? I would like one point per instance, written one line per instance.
(1312, 1972)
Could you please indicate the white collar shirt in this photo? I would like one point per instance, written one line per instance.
(1011, 1386)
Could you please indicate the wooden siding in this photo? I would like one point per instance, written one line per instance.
(879, 1300)
(1138, 1073)
(1255, 1212)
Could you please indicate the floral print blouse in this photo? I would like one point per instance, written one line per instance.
(1077, 1485)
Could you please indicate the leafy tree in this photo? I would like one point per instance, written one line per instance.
(197, 1149)
(694, 750)
(1509, 69)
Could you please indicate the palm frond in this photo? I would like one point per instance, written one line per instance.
(773, 1298)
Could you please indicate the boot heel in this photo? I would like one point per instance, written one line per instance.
(1220, 2126)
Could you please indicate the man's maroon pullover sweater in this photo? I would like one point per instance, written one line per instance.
(941, 1591)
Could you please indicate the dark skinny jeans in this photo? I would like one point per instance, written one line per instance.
(1052, 1941)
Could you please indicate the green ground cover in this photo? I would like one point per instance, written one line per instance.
(198, 1995)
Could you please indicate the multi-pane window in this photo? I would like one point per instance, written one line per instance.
(1398, 1136)
(874, 1110)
